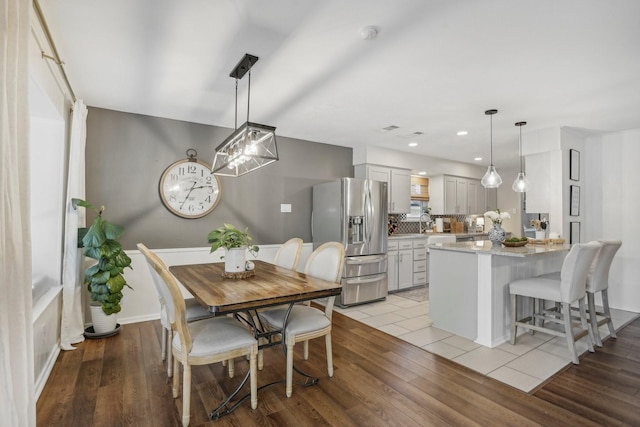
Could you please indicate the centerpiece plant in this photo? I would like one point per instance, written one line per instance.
(236, 242)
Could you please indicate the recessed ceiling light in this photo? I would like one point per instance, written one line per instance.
(413, 144)
(477, 159)
(462, 133)
(422, 173)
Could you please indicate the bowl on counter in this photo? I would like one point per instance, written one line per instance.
(515, 244)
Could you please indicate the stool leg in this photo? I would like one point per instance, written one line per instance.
(593, 320)
(607, 313)
(568, 331)
(514, 319)
(584, 325)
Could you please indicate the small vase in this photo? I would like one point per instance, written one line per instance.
(235, 260)
(496, 234)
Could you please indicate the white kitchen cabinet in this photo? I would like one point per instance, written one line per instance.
(398, 184)
(456, 195)
(392, 265)
(407, 263)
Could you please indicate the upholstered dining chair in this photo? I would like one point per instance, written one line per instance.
(289, 253)
(569, 288)
(194, 311)
(201, 342)
(598, 281)
(305, 322)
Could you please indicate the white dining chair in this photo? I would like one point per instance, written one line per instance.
(194, 311)
(569, 288)
(201, 342)
(305, 322)
(289, 253)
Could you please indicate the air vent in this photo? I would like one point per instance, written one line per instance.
(388, 128)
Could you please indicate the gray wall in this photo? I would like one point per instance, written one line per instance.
(127, 153)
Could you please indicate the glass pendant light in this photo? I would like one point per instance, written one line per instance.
(491, 179)
(521, 184)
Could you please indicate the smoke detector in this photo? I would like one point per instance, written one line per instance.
(369, 32)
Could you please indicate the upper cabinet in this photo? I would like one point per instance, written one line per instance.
(457, 195)
(398, 182)
(419, 188)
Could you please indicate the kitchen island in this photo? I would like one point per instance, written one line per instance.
(468, 285)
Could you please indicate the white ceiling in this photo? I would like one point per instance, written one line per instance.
(434, 67)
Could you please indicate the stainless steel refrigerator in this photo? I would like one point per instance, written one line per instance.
(354, 211)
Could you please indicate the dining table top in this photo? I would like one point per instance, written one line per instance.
(271, 285)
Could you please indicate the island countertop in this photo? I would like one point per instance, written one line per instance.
(486, 247)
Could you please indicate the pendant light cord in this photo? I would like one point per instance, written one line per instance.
(520, 149)
(248, 94)
(235, 124)
(491, 136)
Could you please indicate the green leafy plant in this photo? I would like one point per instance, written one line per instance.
(105, 279)
(229, 237)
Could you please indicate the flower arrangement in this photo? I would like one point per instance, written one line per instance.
(539, 224)
(496, 216)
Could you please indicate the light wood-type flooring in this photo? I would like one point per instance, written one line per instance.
(379, 380)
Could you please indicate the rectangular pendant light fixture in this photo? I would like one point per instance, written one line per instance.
(252, 145)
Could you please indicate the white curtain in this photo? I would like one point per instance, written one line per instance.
(72, 326)
(17, 390)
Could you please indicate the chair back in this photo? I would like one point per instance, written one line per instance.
(576, 265)
(598, 277)
(289, 254)
(326, 262)
(168, 287)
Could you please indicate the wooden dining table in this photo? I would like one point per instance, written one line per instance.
(269, 286)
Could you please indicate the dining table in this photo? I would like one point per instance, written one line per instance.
(243, 295)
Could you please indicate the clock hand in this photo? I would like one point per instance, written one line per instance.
(189, 193)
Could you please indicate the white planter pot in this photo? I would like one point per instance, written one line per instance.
(102, 323)
(235, 260)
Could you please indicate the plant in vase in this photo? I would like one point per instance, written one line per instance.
(496, 233)
(104, 279)
(236, 242)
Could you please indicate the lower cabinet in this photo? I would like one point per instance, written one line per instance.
(407, 263)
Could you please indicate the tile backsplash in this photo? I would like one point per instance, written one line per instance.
(413, 226)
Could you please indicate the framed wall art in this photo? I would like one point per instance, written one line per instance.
(574, 207)
(574, 232)
(574, 165)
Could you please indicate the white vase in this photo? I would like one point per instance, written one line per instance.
(102, 323)
(235, 260)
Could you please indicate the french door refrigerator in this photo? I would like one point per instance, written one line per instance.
(354, 212)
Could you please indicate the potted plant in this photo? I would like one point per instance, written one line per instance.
(104, 279)
(236, 242)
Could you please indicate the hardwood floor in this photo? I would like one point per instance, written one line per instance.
(378, 381)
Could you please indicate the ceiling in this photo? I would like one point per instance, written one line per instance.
(433, 69)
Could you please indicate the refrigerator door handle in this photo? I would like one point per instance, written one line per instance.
(367, 259)
(369, 211)
(366, 279)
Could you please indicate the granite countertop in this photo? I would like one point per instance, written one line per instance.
(431, 233)
(486, 247)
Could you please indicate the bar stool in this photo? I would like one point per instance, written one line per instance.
(598, 281)
(569, 288)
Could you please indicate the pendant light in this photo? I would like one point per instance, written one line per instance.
(252, 145)
(521, 184)
(491, 179)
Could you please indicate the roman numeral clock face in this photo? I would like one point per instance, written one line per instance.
(189, 189)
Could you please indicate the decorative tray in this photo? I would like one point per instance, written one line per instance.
(90, 334)
(239, 274)
(515, 244)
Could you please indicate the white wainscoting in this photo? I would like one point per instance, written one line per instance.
(141, 303)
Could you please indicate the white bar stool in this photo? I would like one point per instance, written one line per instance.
(569, 288)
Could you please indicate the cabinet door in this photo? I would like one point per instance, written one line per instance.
(450, 189)
(461, 196)
(400, 193)
(377, 173)
(392, 270)
(481, 198)
(405, 268)
(472, 197)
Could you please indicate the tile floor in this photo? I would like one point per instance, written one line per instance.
(525, 365)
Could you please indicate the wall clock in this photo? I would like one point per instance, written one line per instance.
(188, 189)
